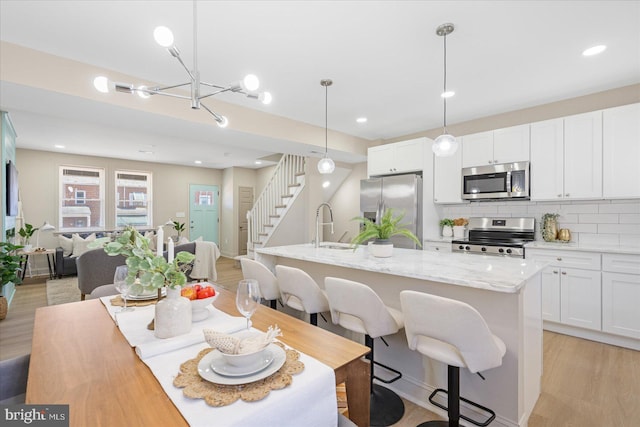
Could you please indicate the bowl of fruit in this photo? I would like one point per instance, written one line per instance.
(201, 295)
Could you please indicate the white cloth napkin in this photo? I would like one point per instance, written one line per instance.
(309, 401)
(133, 325)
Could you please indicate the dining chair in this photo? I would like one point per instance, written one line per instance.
(13, 379)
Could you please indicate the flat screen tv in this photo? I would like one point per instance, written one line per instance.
(12, 189)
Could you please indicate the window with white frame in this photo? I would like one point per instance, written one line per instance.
(133, 199)
(81, 196)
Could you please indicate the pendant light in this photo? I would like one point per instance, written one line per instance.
(445, 145)
(326, 165)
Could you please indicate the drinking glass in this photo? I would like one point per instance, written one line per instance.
(120, 282)
(248, 298)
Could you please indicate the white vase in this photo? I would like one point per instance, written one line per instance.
(447, 231)
(381, 250)
(458, 231)
(173, 315)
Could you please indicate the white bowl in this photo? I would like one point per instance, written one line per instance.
(245, 359)
(199, 306)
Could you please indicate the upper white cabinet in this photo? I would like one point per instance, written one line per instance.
(498, 146)
(447, 178)
(566, 158)
(621, 152)
(400, 157)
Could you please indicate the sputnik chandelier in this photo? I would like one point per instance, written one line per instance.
(164, 37)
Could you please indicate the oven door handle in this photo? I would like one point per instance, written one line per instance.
(509, 183)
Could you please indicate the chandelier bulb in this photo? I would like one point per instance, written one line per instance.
(163, 36)
(223, 122)
(326, 165)
(101, 83)
(250, 83)
(265, 98)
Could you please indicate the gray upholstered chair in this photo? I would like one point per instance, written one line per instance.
(13, 380)
(96, 268)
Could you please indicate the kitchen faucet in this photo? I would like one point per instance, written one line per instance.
(318, 223)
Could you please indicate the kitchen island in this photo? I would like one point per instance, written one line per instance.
(506, 292)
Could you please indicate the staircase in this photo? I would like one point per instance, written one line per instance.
(283, 188)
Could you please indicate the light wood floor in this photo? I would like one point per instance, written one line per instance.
(585, 383)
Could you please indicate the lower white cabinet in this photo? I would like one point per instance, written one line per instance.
(571, 287)
(621, 294)
(580, 298)
(436, 246)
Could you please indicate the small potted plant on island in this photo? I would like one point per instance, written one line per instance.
(447, 227)
(459, 227)
(389, 226)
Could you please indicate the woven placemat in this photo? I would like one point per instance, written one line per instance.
(119, 302)
(196, 387)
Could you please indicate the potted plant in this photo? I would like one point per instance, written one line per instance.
(382, 232)
(26, 232)
(459, 225)
(9, 271)
(179, 227)
(148, 271)
(447, 227)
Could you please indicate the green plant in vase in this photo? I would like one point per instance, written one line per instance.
(389, 226)
(179, 227)
(26, 232)
(9, 264)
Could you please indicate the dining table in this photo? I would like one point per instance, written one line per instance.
(80, 358)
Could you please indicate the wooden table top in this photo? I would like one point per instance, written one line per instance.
(80, 358)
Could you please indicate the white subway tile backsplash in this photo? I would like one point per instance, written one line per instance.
(629, 218)
(618, 207)
(599, 239)
(619, 228)
(605, 222)
(598, 218)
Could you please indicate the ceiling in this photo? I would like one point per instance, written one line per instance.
(384, 58)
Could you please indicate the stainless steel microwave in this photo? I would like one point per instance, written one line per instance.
(501, 181)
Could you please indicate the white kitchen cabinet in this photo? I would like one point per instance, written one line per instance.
(447, 178)
(621, 152)
(399, 157)
(571, 287)
(494, 147)
(621, 294)
(566, 158)
(436, 246)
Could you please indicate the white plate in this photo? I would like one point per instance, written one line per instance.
(206, 372)
(221, 367)
(153, 295)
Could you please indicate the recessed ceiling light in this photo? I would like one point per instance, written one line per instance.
(145, 152)
(197, 162)
(326, 184)
(258, 162)
(594, 50)
(59, 146)
(447, 94)
(361, 120)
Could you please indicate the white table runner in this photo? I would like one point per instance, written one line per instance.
(309, 401)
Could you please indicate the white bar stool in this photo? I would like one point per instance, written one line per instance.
(454, 333)
(356, 307)
(300, 292)
(267, 281)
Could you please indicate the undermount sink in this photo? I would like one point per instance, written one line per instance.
(335, 246)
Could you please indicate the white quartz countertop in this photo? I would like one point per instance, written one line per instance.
(492, 273)
(573, 246)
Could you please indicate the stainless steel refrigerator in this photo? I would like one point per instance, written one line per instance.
(402, 193)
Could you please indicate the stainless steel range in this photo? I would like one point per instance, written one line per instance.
(497, 236)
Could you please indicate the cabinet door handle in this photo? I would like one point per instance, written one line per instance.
(559, 259)
(555, 271)
(564, 273)
(559, 195)
(489, 161)
(495, 161)
(566, 195)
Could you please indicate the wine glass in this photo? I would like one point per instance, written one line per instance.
(248, 297)
(120, 282)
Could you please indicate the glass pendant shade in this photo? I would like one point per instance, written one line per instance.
(326, 165)
(445, 145)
